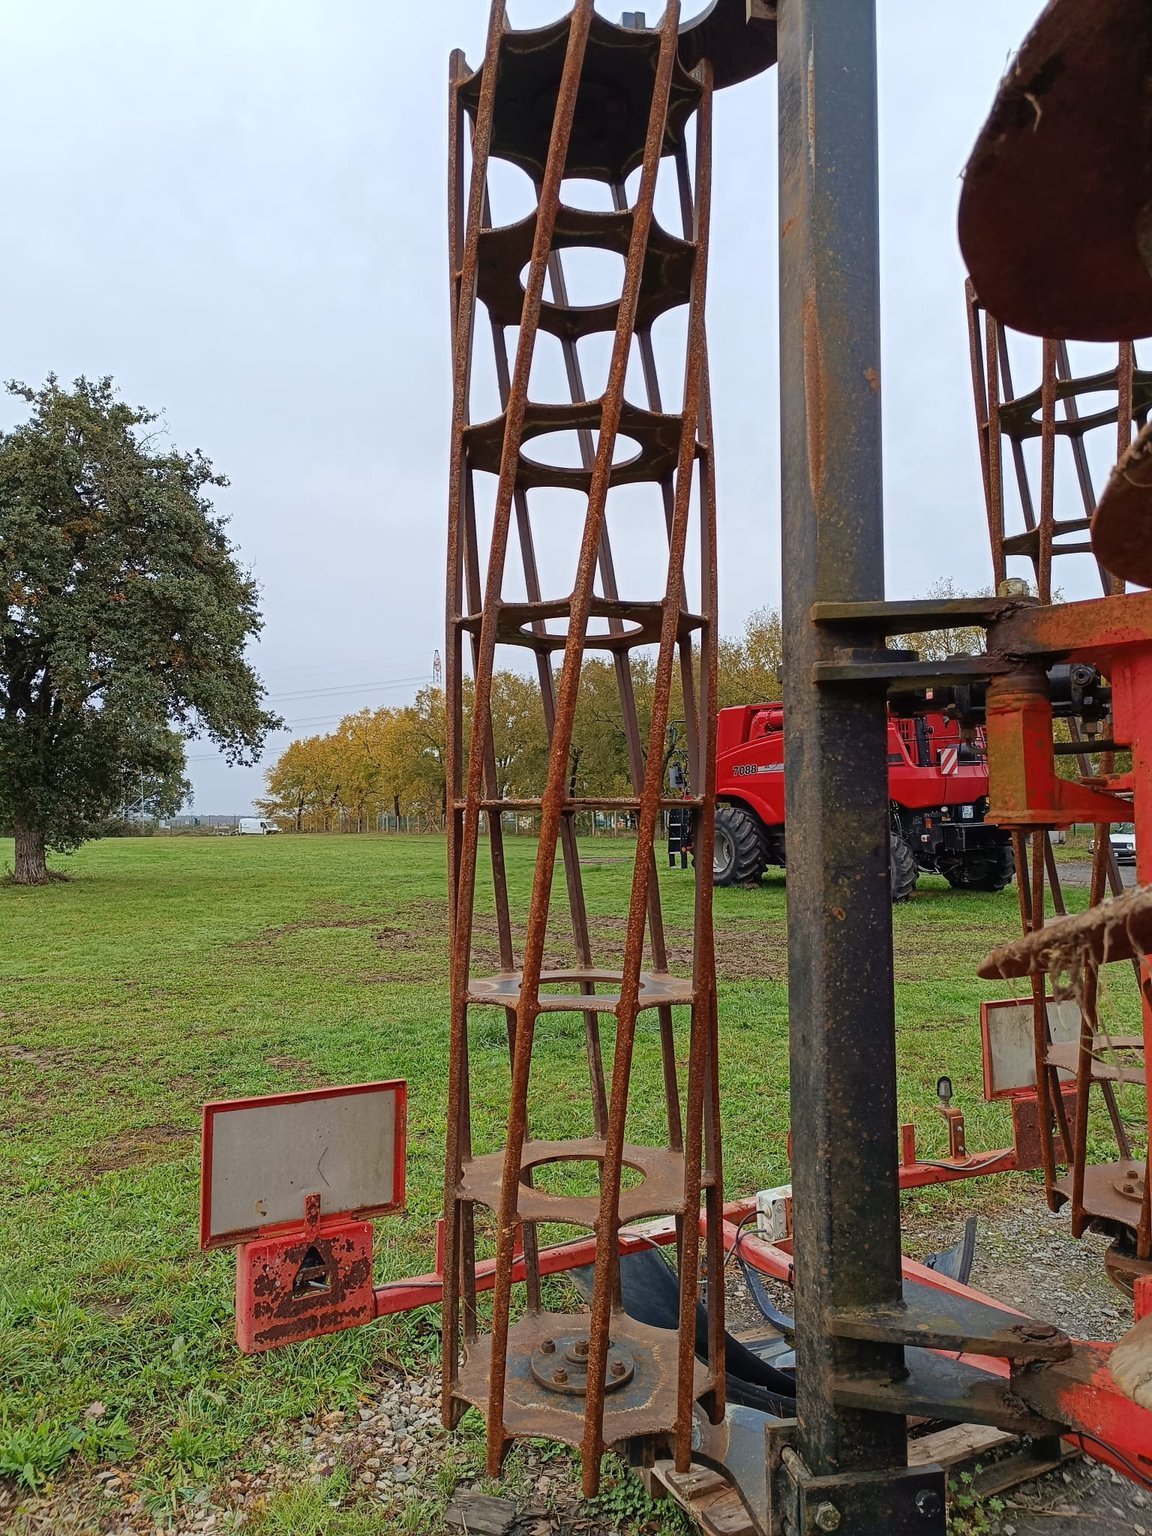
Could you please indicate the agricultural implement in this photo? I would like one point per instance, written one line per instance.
(937, 779)
(747, 1442)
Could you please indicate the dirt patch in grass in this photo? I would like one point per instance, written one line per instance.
(148, 1144)
(406, 934)
(305, 925)
(293, 1064)
(744, 951)
(46, 1058)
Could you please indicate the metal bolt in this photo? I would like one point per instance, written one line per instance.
(928, 1503)
(560, 1376)
(1037, 1331)
(547, 1346)
(618, 1367)
(580, 1347)
(827, 1517)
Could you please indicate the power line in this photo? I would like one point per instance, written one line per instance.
(317, 693)
(334, 669)
(295, 725)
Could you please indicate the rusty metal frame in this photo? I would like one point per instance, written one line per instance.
(573, 58)
(1049, 412)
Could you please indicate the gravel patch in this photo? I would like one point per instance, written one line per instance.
(379, 1459)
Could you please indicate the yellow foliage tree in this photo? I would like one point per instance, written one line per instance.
(392, 762)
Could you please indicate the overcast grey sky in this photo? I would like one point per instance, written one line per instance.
(237, 209)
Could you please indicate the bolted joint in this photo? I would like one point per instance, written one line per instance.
(827, 1517)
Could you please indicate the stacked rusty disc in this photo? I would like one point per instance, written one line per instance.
(581, 101)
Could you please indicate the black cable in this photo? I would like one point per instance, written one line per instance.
(756, 1288)
(1138, 1475)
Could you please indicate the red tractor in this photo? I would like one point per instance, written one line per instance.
(939, 789)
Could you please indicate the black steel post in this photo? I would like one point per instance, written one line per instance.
(844, 1134)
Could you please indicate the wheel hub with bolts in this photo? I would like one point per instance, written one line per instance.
(560, 1364)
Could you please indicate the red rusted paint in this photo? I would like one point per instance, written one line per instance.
(301, 1286)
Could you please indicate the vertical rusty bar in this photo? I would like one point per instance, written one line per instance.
(1125, 415)
(570, 854)
(1088, 1027)
(702, 756)
(841, 987)
(1076, 438)
(499, 871)
(1007, 394)
(607, 1256)
(514, 424)
(981, 395)
(1053, 872)
(625, 686)
(464, 248)
(1044, 1104)
(704, 967)
(995, 453)
(1047, 473)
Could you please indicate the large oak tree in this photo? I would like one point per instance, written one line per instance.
(124, 616)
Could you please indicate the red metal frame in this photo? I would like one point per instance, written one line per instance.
(398, 1087)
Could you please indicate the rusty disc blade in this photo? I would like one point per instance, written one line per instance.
(1122, 523)
(1056, 211)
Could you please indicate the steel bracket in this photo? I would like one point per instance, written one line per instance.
(939, 1319)
(938, 1387)
(857, 1503)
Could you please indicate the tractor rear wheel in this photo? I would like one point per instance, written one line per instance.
(740, 849)
(903, 868)
(991, 869)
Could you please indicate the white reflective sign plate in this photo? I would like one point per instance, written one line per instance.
(1009, 1055)
(262, 1158)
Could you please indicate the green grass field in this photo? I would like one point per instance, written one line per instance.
(169, 972)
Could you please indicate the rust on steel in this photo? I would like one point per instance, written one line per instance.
(1024, 520)
(581, 99)
(1054, 208)
(1122, 523)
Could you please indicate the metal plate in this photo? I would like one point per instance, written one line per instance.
(1009, 1053)
(263, 1157)
(1053, 209)
(561, 1364)
(299, 1287)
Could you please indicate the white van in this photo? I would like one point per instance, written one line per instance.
(256, 826)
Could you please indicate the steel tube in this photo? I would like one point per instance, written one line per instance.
(841, 1003)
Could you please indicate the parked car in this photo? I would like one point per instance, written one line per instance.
(256, 826)
(1123, 840)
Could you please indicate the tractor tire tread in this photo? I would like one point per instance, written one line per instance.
(904, 870)
(749, 844)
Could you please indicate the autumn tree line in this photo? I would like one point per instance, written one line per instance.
(390, 763)
(381, 763)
